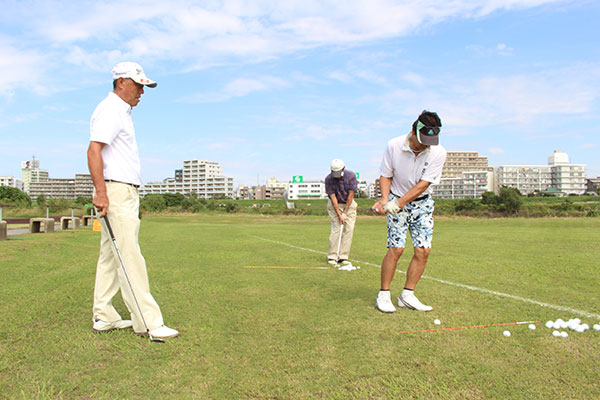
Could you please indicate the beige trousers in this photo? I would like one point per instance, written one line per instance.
(335, 230)
(124, 220)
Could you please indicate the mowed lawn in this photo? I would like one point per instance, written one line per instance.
(307, 332)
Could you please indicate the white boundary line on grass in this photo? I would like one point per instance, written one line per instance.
(460, 285)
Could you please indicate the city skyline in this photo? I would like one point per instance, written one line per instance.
(278, 90)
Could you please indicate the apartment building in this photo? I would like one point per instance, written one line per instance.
(558, 174)
(63, 188)
(467, 185)
(11, 181)
(458, 162)
(306, 190)
(31, 172)
(198, 178)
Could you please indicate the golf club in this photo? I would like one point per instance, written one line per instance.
(118, 253)
(337, 255)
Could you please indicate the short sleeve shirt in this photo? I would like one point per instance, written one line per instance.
(406, 170)
(341, 187)
(111, 124)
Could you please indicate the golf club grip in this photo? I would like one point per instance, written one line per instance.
(110, 231)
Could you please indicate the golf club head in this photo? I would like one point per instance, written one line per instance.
(156, 340)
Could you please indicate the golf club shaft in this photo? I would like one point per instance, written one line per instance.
(337, 255)
(116, 247)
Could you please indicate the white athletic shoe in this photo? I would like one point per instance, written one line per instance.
(164, 332)
(384, 302)
(331, 261)
(409, 300)
(103, 326)
(344, 262)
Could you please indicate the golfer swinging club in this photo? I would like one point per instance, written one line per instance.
(114, 165)
(340, 185)
(410, 164)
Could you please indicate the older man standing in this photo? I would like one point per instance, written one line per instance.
(114, 165)
(410, 165)
(340, 186)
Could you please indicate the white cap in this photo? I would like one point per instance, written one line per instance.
(337, 166)
(133, 71)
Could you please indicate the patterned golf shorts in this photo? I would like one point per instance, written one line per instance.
(416, 217)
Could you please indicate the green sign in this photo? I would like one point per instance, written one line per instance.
(357, 175)
(297, 179)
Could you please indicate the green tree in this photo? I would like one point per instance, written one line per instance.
(489, 198)
(14, 196)
(83, 200)
(41, 200)
(465, 205)
(173, 199)
(154, 202)
(510, 200)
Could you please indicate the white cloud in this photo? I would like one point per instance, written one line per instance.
(203, 33)
(239, 87)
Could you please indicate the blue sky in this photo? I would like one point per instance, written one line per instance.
(279, 88)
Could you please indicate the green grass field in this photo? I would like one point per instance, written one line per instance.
(304, 333)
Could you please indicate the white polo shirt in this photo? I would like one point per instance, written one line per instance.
(111, 124)
(406, 170)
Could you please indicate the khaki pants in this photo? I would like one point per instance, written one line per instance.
(335, 230)
(124, 220)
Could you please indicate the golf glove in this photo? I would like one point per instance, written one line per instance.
(392, 207)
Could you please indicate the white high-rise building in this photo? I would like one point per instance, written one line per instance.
(197, 178)
(31, 172)
(306, 190)
(467, 185)
(12, 182)
(567, 178)
(558, 174)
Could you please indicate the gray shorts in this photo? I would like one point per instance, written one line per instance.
(416, 217)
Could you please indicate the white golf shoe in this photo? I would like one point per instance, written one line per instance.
(331, 261)
(164, 332)
(103, 326)
(409, 300)
(384, 302)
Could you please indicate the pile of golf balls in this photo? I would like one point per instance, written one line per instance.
(573, 324)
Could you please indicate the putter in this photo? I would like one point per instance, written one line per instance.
(118, 253)
(337, 255)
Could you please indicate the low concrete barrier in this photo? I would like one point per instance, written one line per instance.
(87, 220)
(36, 224)
(3, 230)
(69, 223)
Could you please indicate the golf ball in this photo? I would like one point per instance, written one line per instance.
(556, 333)
(557, 324)
(580, 329)
(564, 334)
(532, 327)
(506, 333)
(437, 321)
(597, 327)
(549, 324)
(563, 325)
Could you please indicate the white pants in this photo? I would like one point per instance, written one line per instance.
(335, 231)
(124, 219)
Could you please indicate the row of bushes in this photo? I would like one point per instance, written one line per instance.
(508, 202)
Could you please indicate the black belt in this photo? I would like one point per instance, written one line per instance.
(124, 183)
(421, 198)
(417, 199)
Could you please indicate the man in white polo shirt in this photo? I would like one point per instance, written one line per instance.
(410, 165)
(114, 165)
